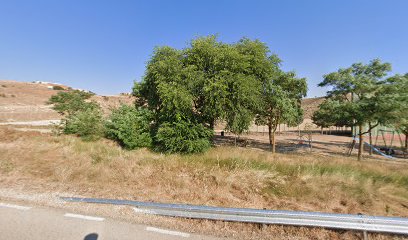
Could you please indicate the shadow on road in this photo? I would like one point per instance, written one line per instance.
(91, 236)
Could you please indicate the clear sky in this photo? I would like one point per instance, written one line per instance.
(103, 46)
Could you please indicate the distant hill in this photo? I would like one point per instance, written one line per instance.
(310, 105)
(26, 101)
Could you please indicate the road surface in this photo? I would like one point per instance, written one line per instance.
(35, 223)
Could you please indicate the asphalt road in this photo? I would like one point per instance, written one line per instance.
(24, 222)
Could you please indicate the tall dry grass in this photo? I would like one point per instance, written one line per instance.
(224, 176)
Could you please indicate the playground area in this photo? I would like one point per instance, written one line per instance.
(386, 144)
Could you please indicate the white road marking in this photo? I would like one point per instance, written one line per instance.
(99, 219)
(14, 206)
(175, 233)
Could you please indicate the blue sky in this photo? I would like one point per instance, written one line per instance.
(103, 46)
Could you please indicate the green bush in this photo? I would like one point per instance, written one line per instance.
(57, 88)
(130, 127)
(67, 103)
(182, 136)
(87, 124)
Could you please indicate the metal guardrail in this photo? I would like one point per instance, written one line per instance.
(394, 225)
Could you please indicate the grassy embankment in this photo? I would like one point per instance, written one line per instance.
(224, 176)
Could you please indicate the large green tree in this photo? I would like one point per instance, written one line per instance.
(358, 90)
(205, 82)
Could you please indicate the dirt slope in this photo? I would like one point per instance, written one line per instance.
(26, 101)
(310, 105)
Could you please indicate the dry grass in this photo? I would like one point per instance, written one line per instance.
(224, 176)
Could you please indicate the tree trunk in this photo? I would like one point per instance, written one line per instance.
(273, 141)
(321, 131)
(406, 142)
(370, 139)
(270, 134)
(272, 131)
(212, 124)
(353, 143)
(360, 142)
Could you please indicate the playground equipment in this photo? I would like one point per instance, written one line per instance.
(387, 148)
(384, 138)
(306, 135)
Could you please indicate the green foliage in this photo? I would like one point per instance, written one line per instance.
(57, 88)
(394, 101)
(205, 82)
(130, 127)
(359, 79)
(360, 91)
(183, 136)
(80, 117)
(281, 97)
(87, 124)
(67, 103)
(330, 113)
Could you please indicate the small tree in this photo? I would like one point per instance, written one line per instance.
(81, 117)
(67, 103)
(281, 98)
(130, 127)
(357, 89)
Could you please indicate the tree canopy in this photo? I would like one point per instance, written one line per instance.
(358, 97)
(281, 100)
(210, 80)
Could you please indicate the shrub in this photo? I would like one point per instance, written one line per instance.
(67, 103)
(57, 88)
(87, 124)
(130, 127)
(182, 136)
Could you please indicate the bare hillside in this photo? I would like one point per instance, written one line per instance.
(310, 105)
(26, 101)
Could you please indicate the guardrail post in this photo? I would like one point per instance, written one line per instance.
(365, 235)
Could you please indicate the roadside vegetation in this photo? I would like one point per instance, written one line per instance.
(222, 176)
(185, 92)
